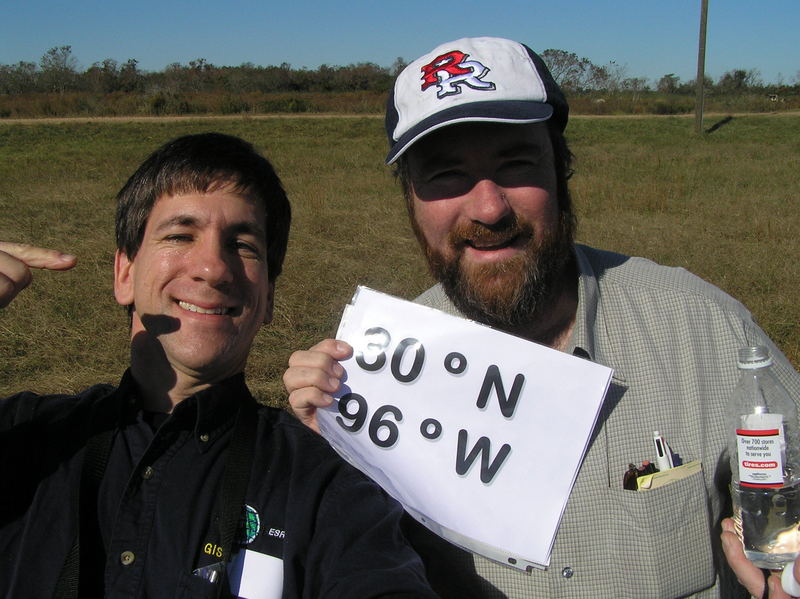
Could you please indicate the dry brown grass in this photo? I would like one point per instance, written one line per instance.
(724, 206)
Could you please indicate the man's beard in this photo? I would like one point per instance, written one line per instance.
(512, 294)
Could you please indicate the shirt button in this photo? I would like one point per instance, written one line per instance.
(204, 437)
(567, 572)
(147, 473)
(127, 558)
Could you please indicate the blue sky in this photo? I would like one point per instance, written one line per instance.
(649, 39)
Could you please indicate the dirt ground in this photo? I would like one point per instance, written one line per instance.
(286, 115)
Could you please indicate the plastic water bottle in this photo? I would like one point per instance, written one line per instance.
(764, 446)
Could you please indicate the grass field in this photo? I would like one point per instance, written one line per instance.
(724, 205)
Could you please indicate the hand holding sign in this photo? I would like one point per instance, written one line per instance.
(477, 433)
(312, 376)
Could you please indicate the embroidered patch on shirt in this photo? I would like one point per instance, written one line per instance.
(249, 525)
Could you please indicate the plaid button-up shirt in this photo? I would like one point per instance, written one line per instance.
(672, 340)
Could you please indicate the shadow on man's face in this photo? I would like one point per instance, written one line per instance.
(160, 324)
(148, 353)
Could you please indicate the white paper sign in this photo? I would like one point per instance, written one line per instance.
(479, 434)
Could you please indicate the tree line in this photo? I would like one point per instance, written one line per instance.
(576, 74)
(57, 86)
(57, 71)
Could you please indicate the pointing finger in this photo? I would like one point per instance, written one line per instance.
(36, 257)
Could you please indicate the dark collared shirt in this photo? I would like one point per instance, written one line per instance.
(312, 526)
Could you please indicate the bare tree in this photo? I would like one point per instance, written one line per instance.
(59, 69)
(398, 65)
(103, 76)
(739, 80)
(570, 72)
(130, 78)
(668, 84)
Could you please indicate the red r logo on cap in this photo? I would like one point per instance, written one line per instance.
(452, 69)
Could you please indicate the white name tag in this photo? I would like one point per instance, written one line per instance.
(255, 575)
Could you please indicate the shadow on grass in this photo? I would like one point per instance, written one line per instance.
(719, 124)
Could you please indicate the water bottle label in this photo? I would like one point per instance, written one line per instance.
(761, 446)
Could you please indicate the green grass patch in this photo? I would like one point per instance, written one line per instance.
(722, 205)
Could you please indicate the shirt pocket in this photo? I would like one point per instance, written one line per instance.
(662, 537)
(191, 586)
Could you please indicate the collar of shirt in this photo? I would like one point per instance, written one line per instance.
(209, 413)
(581, 343)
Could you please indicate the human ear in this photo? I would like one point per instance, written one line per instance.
(123, 279)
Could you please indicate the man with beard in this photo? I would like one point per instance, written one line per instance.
(476, 129)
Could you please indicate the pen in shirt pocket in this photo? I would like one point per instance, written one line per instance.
(664, 461)
(663, 452)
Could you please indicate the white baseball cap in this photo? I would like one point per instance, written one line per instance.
(469, 80)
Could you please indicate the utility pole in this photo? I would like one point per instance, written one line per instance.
(701, 69)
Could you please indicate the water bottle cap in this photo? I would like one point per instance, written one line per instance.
(756, 356)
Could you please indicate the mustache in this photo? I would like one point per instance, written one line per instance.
(488, 235)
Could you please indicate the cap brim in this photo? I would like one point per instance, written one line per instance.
(507, 111)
